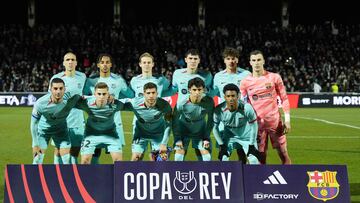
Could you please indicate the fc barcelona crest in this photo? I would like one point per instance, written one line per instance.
(323, 185)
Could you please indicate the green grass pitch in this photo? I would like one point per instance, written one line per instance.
(317, 137)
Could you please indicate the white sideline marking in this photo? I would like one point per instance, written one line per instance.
(328, 122)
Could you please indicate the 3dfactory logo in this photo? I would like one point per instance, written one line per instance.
(323, 185)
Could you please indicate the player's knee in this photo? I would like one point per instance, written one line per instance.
(86, 160)
(136, 157)
(182, 152)
(117, 158)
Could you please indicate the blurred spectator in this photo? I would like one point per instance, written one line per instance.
(316, 87)
(299, 53)
(334, 88)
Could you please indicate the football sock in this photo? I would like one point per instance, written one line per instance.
(39, 158)
(179, 157)
(57, 159)
(206, 157)
(65, 158)
(252, 159)
(73, 160)
(95, 160)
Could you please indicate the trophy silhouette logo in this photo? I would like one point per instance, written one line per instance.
(185, 183)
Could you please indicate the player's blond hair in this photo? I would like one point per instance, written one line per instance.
(146, 54)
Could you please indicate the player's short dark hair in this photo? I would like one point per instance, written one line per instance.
(231, 87)
(192, 52)
(56, 80)
(101, 85)
(100, 56)
(149, 85)
(70, 52)
(256, 52)
(229, 51)
(197, 82)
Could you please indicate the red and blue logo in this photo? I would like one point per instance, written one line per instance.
(323, 185)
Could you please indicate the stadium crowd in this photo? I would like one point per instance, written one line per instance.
(304, 55)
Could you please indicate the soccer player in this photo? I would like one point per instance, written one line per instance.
(146, 62)
(232, 74)
(49, 121)
(262, 89)
(100, 130)
(182, 76)
(240, 127)
(189, 123)
(117, 88)
(153, 122)
(74, 84)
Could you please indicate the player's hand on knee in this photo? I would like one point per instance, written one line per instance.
(223, 152)
(287, 127)
(179, 144)
(206, 143)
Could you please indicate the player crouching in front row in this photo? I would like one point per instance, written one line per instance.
(240, 127)
(190, 121)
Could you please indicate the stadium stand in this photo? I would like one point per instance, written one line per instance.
(302, 54)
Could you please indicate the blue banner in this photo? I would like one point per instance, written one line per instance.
(296, 183)
(59, 183)
(178, 182)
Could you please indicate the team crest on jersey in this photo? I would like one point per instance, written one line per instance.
(184, 91)
(113, 86)
(140, 94)
(157, 116)
(323, 185)
(268, 85)
(79, 85)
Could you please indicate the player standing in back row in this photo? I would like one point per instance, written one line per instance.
(262, 89)
(182, 77)
(74, 84)
(117, 88)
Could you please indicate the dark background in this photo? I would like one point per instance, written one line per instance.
(179, 12)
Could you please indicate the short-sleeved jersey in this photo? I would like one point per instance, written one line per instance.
(100, 120)
(262, 92)
(117, 86)
(236, 123)
(137, 84)
(73, 85)
(181, 78)
(151, 120)
(191, 113)
(223, 78)
(52, 116)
